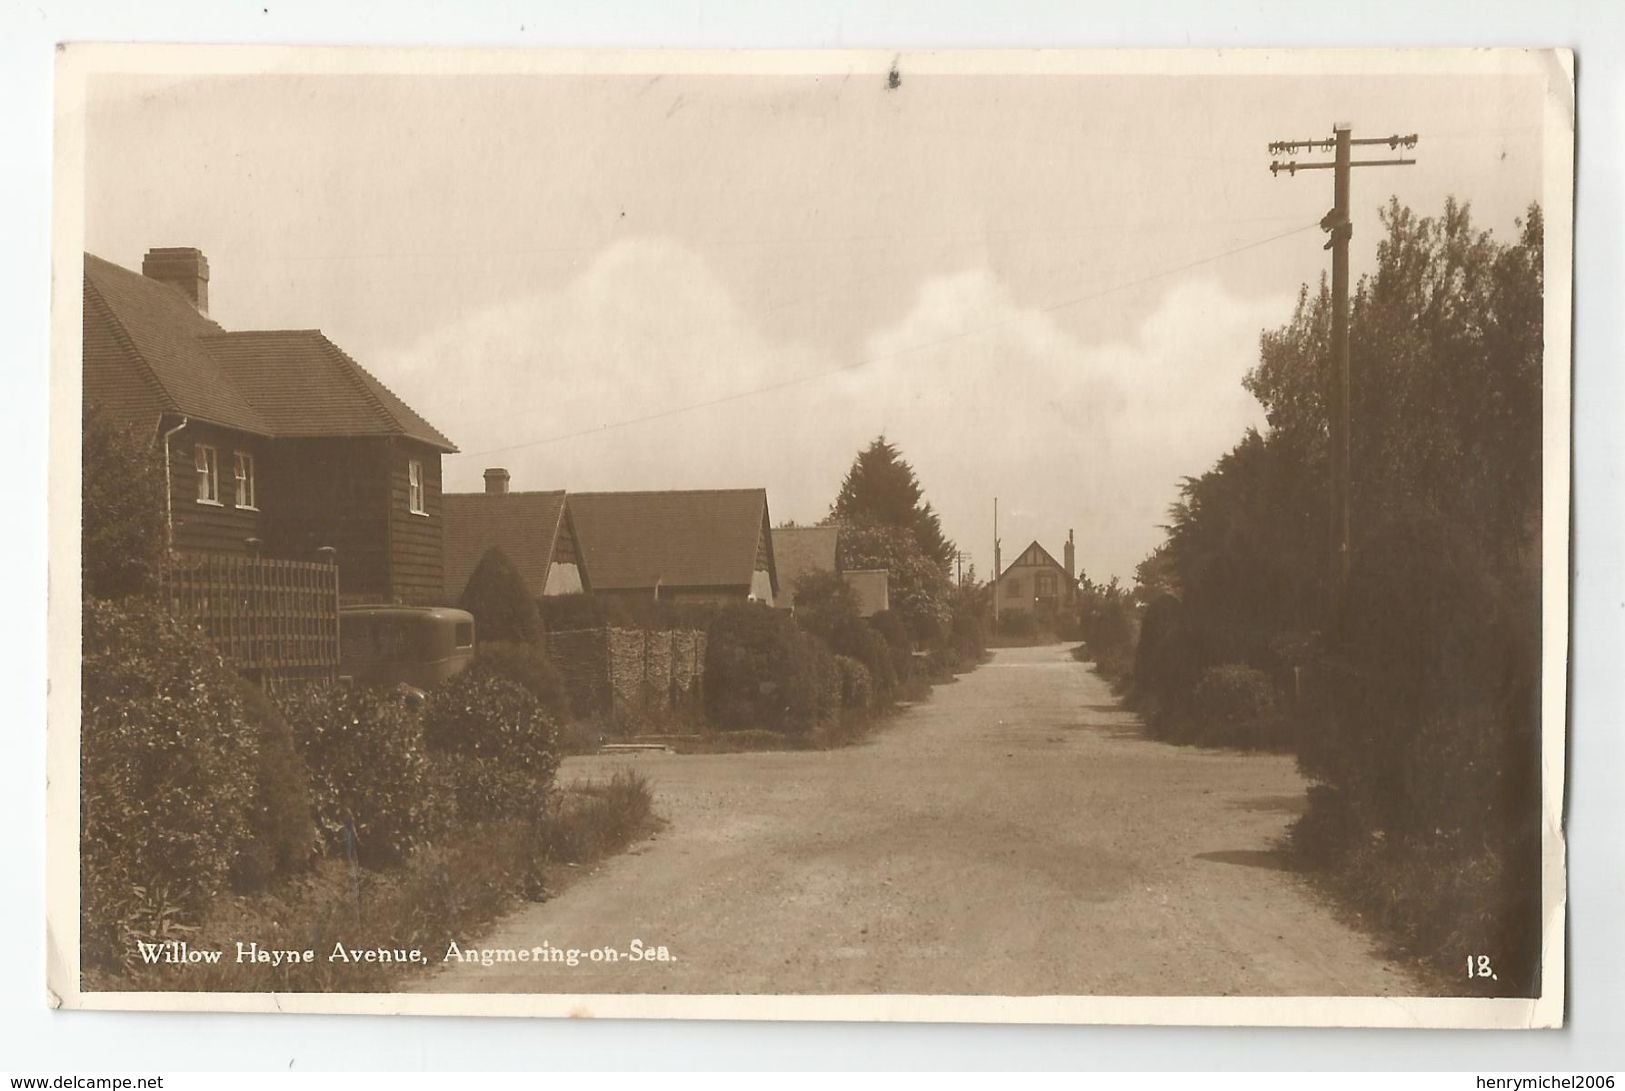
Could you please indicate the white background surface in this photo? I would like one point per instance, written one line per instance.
(32, 1038)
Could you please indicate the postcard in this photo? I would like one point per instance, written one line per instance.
(985, 536)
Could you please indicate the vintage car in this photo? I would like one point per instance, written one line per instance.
(411, 646)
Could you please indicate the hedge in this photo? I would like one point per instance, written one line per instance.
(505, 748)
(857, 688)
(762, 671)
(168, 777)
(372, 777)
(527, 665)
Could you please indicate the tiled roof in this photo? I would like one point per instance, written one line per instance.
(161, 333)
(797, 551)
(304, 385)
(524, 525)
(699, 538)
(148, 350)
(1030, 547)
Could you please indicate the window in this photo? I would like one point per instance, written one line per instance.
(208, 475)
(414, 487)
(243, 469)
(1044, 584)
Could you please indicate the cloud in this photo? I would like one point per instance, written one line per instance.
(986, 397)
(1002, 400)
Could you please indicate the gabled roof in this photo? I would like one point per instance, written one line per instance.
(1047, 559)
(696, 538)
(304, 385)
(148, 351)
(524, 525)
(798, 551)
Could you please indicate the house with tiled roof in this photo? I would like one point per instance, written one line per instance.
(701, 545)
(535, 530)
(1035, 583)
(274, 442)
(803, 550)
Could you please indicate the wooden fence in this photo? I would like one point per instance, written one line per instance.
(273, 621)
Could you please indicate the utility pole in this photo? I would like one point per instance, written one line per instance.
(997, 568)
(1340, 227)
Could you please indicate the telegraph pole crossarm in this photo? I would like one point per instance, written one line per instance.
(1339, 226)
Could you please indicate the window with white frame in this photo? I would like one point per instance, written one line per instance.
(208, 475)
(243, 470)
(414, 487)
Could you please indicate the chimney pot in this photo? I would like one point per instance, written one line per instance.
(183, 268)
(496, 481)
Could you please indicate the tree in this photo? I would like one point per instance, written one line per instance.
(881, 490)
(823, 602)
(502, 606)
(917, 586)
(122, 533)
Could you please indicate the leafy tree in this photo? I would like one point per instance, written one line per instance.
(501, 603)
(122, 531)
(823, 602)
(917, 586)
(881, 490)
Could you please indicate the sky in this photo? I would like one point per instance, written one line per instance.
(1044, 289)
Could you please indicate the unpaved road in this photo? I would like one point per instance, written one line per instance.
(1013, 836)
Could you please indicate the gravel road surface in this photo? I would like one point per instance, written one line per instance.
(1015, 835)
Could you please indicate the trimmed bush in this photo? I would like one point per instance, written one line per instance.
(761, 671)
(371, 774)
(168, 777)
(857, 687)
(890, 626)
(501, 603)
(1234, 705)
(506, 748)
(861, 641)
(527, 665)
(284, 836)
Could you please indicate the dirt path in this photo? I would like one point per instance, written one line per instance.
(1015, 835)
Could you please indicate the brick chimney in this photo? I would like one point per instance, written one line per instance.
(1071, 560)
(183, 268)
(496, 481)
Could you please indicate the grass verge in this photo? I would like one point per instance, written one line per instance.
(366, 931)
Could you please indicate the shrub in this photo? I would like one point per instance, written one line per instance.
(761, 671)
(827, 705)
(861, 641)
(371, 776)
(857, 687)
(502, 605)
(283, 829)
(824, 602)
(122, 535)
(890, 626)
(1018, 624)
(1234, 705)
(527, 665)
(168, 777)
(506, 747)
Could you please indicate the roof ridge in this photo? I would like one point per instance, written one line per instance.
(671, 492)
(122, 336)
(513, 492)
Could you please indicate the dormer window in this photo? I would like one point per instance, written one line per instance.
(414, 487)
(243, 470)
(208, 474)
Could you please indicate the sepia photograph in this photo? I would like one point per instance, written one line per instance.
(979, 536)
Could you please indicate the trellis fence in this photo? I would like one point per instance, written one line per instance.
(273, 621)
(635, 677)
